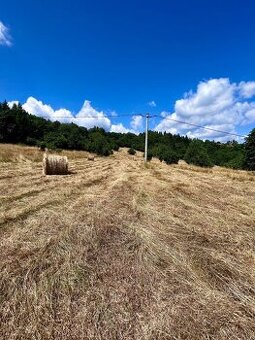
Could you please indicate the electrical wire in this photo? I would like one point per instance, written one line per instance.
(99, 117)
(201, 126)
(156, 116)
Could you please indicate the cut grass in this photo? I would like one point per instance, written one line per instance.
(126, 251)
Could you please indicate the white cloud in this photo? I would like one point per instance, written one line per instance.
(87, 116)
(5, 38)
(247, 89)
(119, 128)
(136, 122)
(217, 104)
(211, 97)
(90, 117)
(152, 103)
(37, 108)
(11, 103)
(63, 116)
(213, 134)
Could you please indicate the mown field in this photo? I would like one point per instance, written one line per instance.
(118, 250)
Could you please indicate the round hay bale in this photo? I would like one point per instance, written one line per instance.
(182, 162)
(55, 165)
(91, 158)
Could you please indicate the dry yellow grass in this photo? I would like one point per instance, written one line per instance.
(19, 153)
(118, 250)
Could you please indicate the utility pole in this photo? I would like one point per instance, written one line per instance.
(146, 137)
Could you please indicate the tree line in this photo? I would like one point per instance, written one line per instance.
(18, 126)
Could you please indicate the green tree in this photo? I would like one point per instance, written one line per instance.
(235, 163)
(131, 151)
(55, 140)
(249, 147)
(197, 154)
(170, 157)
(99, 144)
(166, 153)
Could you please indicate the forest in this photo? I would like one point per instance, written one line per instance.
(19, 127)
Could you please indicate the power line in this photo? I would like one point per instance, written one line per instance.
(157, 116)
(99, 117)
(201, 126)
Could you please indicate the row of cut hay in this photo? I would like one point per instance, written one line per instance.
(55, 165)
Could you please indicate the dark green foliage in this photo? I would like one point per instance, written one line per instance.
(196, 154)
(165, 153)
(131, 151)
(228, 154)
(17, 126)
(31, 141)
(249, 146)
(168, 155)
(99, 144)
(14, 124)
(236, 163)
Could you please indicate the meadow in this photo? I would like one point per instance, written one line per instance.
(122, 250)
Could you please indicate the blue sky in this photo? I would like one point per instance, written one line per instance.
(192, 60)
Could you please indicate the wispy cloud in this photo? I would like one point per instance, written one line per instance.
(5, 37)
(152, 103)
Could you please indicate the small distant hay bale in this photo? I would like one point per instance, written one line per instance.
(182, 162)
(91, 158)
(55, 165)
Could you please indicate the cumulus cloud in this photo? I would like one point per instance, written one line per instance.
(247, 89)
(90, 117)
(11, 103)
(5, 38)
(136, 122)
(217, 104)
(36, 107)
(119, 128)
(63, 116)
(87, 116)
(215, 133)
